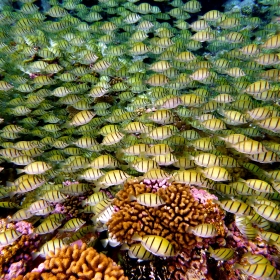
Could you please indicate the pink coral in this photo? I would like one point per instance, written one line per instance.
(15, 269)
(202, 196)
(24, 227)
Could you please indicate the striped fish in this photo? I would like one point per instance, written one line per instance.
(8, 236)
(37, 167)
(254, 259)
(47, 226)
(190, 177)
(112, 178)
(260, 271)
(82, 118)
(268, 212)
(249, 147)
(20, 215)
(50, 246)
(72, 225)
(138, 251)
(236, 207)
(53, 196)
(157, 245)
(148, 199)
(221, 254)
(204, 230)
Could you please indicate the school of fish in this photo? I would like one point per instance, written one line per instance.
(120, 90)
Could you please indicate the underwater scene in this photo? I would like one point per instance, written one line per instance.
(139, 140)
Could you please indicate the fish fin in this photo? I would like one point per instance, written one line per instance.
(19, 171)
(104, 242)
(35, 255)
(216, 201)
(136, 237)
(189, 157)
(94, 219)
(170, 180)
(221, 111)
(124, 247)
(238, 266)
(143, 155)
(199, 170)
(9, 184)
(189, 229)
(241, 180)
(66, 240)
(99, 185)
(131, 255)
(124, 167)
(11, 194)
(131, 197)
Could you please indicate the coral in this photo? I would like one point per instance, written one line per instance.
(186, 266)
(74, 262)
(16, 258)
(189, 266)
(157, 269)
(170, 221)
(72, 206)
(202, 196)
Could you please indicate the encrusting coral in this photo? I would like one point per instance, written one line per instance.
(171, 220)
(74, 262)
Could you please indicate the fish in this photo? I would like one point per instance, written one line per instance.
(221, 254)
(31, 183)
(254, 258)
(157, 245)
(148, 199)
(138, 251)
(9, 236)
(161, 91)
(250, 147)
(261, 271)
(205, 160)
(204, 230)
(216, 173)
(190, 177)
(94, 199)
(268, 212)
(50, 246)
(236, 207)
(35, 168)
(53, 196)
(80, 233)
(72, 225)
(144, 165)
(112, 178)
(47, 226)
(20, 215)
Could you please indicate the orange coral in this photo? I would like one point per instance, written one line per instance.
(73, 263)
(171, 220)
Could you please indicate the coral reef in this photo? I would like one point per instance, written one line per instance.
(16, 258)
(74, 262)
(190, 266)
(171, 220)
(186, 266)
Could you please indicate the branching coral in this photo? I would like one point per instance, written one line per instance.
(171, 221)
(74, 262)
